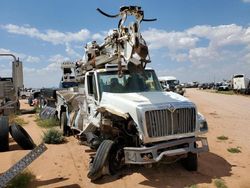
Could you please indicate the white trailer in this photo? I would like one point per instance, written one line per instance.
(241, 83)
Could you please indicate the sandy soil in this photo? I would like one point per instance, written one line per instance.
(66, 165)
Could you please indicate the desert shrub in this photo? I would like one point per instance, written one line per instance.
(219, 183)
(17, 120)
(234, 150)
(53, 136)
(47, 123)
(22, 180)
(222, 137)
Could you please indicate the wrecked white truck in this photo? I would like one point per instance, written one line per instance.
(120, 109)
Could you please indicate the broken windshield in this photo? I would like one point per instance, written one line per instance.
(129, 82)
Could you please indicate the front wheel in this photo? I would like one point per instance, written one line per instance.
(97, 165)
(116, 158)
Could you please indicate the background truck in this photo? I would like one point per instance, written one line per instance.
(170, 83)
(26, 92)
(241, 83)
(68, 78)
(120, 110)
(10, 86)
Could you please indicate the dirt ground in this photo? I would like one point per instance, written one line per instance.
(66, 165)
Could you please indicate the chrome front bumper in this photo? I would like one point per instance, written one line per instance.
(147, 155)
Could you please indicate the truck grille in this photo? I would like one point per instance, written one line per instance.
(166, 122)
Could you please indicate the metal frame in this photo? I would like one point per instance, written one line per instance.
(22, 164)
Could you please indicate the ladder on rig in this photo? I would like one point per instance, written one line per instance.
(21, 164)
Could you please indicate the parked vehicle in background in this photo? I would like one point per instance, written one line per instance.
(34, 98)
(68, 78)
(211, 85)
(26, 92)
(203, 86)
(241, 84)
(206, 85)
(194, 84)
(224, 87)
(170, 83)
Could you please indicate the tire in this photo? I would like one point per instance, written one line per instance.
(100, 159)
(116, 157)
(4, 133)
(191, 162)
(22, 137)
(64, 124)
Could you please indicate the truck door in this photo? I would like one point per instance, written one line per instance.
(92, 97)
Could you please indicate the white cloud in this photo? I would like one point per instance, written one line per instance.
(185, 45)
(222, 35)
(7, 51)
(39, 78)
(208, 52)
(204, 51)
(202, 55)
(71, 52)
(52, 36)
(32, 59)
(99, 37)
(5, 72)
(4, 51)
(171, 40)
(48, 76)
(246, 1)
(179, 57)
(55, 62)
(23, 57)
(58, 58)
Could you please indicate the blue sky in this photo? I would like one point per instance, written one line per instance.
(194, 40)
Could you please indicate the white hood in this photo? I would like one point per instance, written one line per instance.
(136, 104)
(127, 103)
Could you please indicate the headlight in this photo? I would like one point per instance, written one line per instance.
(202, 123)
(203, 126)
